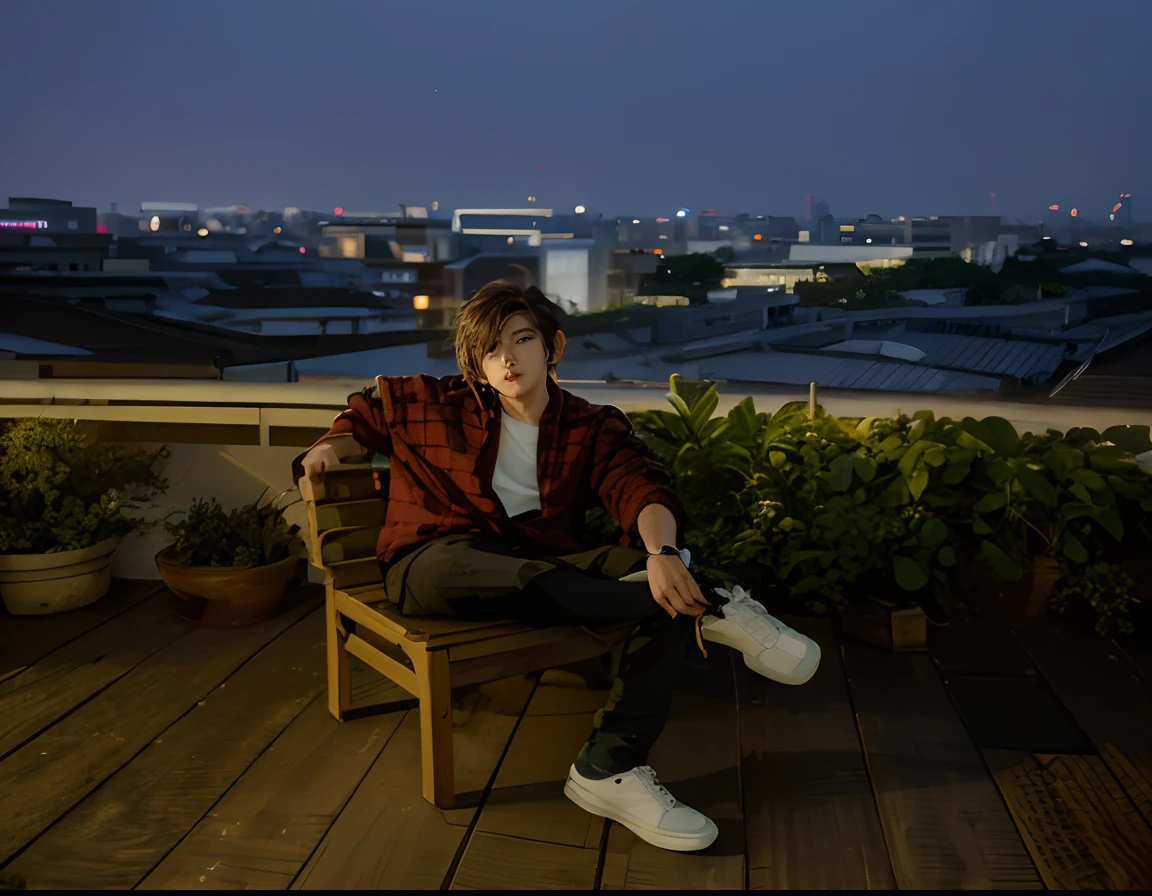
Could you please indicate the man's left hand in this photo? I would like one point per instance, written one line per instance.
(673, 587)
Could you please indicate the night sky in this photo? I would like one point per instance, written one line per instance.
(909, 107)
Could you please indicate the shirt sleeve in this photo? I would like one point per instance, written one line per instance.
(366, 420)
(627, 477)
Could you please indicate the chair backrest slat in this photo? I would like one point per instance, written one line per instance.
(349, 543)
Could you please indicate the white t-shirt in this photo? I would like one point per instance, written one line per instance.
(514, 479)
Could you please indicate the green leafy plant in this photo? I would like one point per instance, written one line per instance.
(254, 534)
(61, 489)
(826, 511)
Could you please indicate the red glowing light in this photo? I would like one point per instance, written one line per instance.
(302, 250)
(757, 236)
(1117, 207)
(657, 251)
(338, 210)
(1053, 208)
(1073, 213)
(661, 220)
(711, 211)
(101, 228)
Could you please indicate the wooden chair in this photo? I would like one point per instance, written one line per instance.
(426, 656)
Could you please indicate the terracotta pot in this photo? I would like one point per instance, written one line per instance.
(33, 584)
(1028, 599)
(225, 596)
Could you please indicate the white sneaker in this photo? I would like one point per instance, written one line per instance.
(638, 801)
(770, 648)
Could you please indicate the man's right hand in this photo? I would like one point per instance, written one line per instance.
(319, 460)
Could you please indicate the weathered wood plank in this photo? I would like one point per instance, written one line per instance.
(52, 773)
(1078, 824)
(1105, 696)
(263, 830)
(524, 865)
(697, 758)
(527, 802)
(809, 811)
(387, 836)
(26, 639)
(69, 675)
(943, 820)
(120, 832)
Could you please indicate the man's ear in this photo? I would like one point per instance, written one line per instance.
(559, 343)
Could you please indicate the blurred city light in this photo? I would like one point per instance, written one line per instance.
(203, 231)
(302, 250)
(1053, 208)
(682, 213)
(757, 236)
(1083, 245)
(276, 230)
(420, 303)
(154, 223)
(635, 220)
(1125, 242)
(338, 210)
(868, 240)
(1073, 213)
(580, 209)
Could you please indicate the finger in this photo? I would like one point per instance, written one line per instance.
(662, 602)
(695, 590)
(676, 599)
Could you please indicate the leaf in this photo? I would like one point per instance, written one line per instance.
(1006, 568)
(933, 533)
(1132, 439)
(980, 527)
(1074, 548)
(991, 501)
(681, 407)
(1037, 486)
(908, 462)
(864, 427)
(705, 408)
(865, 468)
(999, 471)
(917, 484)
(777, 459)
(995, 432)
(1109, 518)
(841, 470)
(946, 556)
(910, 575)
(916, 431)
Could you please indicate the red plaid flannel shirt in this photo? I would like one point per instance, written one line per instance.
(441, 436)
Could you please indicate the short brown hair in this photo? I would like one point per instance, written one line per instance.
(476, 330)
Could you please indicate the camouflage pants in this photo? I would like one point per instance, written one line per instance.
(479, 577)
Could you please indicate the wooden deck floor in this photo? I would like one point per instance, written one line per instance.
(139, 751)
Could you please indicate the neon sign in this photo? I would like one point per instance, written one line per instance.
(23, 225)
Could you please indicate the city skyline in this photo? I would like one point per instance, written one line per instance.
(626, 109)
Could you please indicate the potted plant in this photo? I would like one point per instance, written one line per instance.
(64, 503)
(230, 569)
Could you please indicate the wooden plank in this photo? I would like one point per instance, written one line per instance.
(528, 799)
(349, 543)
(52, 773)
(262, 831)
(698, 759)
(943, 820)
(524, 865)
(120, 832)
(809, 812)
(26, 639)
(351, 513)
(65, 678)
(388, 836)
(1105, 696)
(1078, 824)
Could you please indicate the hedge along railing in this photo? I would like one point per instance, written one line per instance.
(827, 510)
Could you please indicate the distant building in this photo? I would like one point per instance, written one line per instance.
(46, 216)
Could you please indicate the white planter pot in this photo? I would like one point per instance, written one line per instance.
(32, 584)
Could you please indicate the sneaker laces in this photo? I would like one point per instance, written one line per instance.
(751, 615)
(658, 790)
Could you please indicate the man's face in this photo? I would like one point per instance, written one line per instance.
(518, 365)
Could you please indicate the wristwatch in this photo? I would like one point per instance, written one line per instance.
(668, 550)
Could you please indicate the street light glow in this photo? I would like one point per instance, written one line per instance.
(580, 209)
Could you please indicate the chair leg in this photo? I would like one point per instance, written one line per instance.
(339, 663)
(436, 727)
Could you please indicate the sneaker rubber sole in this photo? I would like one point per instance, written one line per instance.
(672, 840)
(800, 675)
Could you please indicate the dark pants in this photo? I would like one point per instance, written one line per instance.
(472, 577)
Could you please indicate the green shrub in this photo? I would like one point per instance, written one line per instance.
(62, 490)
(252, 535)
(826, 511)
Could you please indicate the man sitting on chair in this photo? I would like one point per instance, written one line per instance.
(491, 474)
